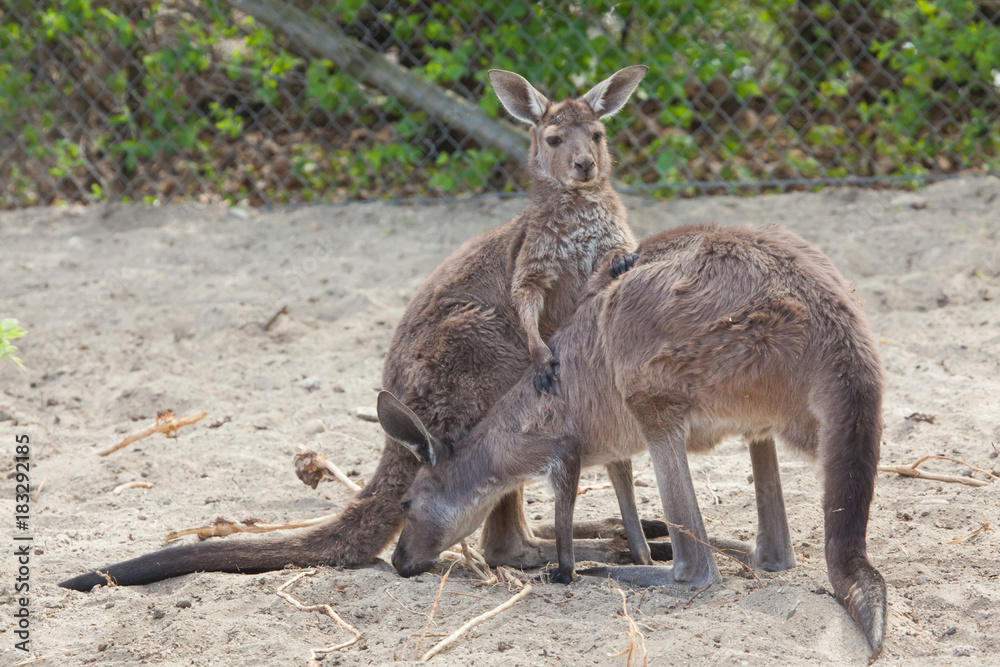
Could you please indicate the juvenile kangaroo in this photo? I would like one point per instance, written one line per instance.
(470, 331)
(714, 332)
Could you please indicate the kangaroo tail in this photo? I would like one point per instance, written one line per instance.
(355, 537)
(852, 431)
(248, 556)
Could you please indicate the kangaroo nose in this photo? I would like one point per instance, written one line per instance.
(584, 165)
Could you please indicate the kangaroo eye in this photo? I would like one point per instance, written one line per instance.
(405, 506)
(598, 136)
(554, 141)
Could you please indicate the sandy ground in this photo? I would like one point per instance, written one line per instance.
(133, 309)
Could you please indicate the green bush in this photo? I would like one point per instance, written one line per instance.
(140, 100)
(9, 330)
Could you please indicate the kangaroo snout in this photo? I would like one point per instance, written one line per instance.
(406, 566)
(585, 167)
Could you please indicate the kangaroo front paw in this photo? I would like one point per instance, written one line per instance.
(622, 263)
(547, 375)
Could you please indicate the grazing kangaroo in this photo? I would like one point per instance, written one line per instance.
(470, 331)
(714, 332)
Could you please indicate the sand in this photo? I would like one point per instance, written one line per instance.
(134, 309)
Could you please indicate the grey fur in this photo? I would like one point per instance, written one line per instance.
(714, 332)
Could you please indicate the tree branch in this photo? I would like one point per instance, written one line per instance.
(311, 38)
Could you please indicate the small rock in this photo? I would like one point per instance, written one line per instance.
(102, 647)
(505, 646)
(4, 416)
(337, 389)
(367, 414)
(314, 426)
(239, 212)
(158, 613)
(908, 200)
(309, 383)
(183, 604)
(109, 605)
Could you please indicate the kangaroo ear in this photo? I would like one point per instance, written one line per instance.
(609, 96)
(400, 424)
(518, 96)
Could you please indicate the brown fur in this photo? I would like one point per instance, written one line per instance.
(715, 332)
(464, 340)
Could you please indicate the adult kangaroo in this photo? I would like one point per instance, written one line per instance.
(714, 332)
(466, 337)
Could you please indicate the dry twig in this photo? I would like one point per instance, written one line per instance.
(708, 485)
(430, 616)
(696, 594)
(166, 423)
(43, 657)
(453, 637)
(913, 471)
(717, 550)
(274, 318)
(985, 528)
(471, 556)
(41, 486)
(132, 485)
(311, 467)
(322, 609)
(223, 527)
(636, 641)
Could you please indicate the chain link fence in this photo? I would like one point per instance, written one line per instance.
(267, 102)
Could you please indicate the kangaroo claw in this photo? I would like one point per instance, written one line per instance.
(622, 263)
(545, 380)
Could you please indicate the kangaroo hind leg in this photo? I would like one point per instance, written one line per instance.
(773, 551)
(620, 473)
(694, 565)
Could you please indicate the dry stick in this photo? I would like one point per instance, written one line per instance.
(42, 657)
(389, 593)
(165, 423)
(453, 637)
(717, 550)
(653, 620)
(223, 527)
(41, 486)
(634, 633)
(912, 471)
(274, 318)
(430, 616)
(708, 483)
(469, 552)
(948, 458)
(986, 527)
(322, 609)
(132, 485)
(696, 594)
